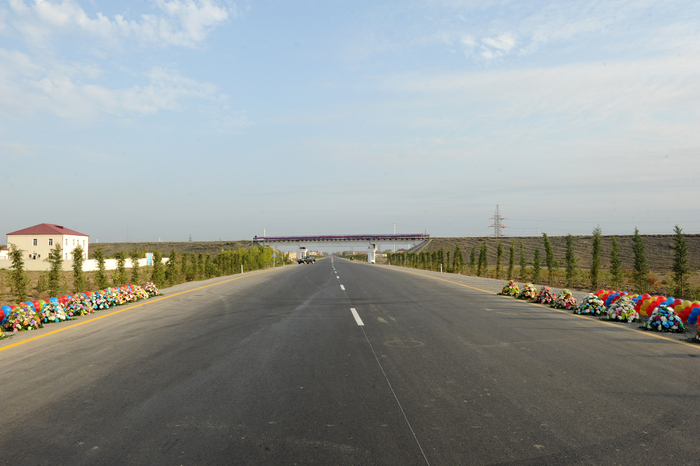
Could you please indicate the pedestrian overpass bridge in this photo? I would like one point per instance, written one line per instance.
(372, 240)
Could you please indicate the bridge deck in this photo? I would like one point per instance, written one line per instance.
(341, 238)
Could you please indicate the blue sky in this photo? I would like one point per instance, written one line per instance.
(218, 118)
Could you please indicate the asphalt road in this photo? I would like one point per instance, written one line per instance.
(274, 368)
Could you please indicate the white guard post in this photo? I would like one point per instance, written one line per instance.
(372, 256)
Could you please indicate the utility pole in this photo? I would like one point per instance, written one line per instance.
(394, 238)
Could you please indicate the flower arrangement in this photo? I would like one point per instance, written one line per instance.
(546, 295)
(98, 301)
(151, 289)
(78, 305)
(664, 319)
(139, 292)
(528, 292)
(592, 305)
(565, 301)
(22, 318)
(52, 312)
(511, 289)
(623, 310)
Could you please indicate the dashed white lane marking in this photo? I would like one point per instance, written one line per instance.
(337, 277)
(342, 287)
(357, 317)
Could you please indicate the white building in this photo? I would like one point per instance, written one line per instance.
(36, 242)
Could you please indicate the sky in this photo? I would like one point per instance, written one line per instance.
(216, 119)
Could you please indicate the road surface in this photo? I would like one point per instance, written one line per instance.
(342, 363)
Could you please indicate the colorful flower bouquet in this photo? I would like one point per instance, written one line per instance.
(78, 305)
(22, 318)
(664, 319)
(52, 312)
(591, 305)
(511, 289)
(546, 295)
(98, 301)
(528, 292)
(565, 301)
(139, 292)
(623, 310)
(151, 289)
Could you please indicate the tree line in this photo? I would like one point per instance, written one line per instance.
(546, 270)
(177, 269)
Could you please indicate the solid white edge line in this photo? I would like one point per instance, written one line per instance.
(342, 287)
(357, 317)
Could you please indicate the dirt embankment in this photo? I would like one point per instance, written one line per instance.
(194, 247)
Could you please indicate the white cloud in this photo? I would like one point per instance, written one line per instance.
(496, 47)
(629, 88)
(181, 22)
(27, 88)
(14, 149)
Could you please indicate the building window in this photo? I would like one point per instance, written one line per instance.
(50, 241)
(73, 241)
(66, 241)
(35, 242)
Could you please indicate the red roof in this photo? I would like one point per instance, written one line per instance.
(47, 229)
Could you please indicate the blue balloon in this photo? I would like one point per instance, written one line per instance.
(693, 317)
(53, 300)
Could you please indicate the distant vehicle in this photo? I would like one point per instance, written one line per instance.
(306, 260)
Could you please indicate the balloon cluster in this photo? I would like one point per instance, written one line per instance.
(664, 319)
(623, 310)
(33, 314)
(688, 311)
(546, 295)
(592, 305)
(528, 292)
(565, 300)
(511, 289)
